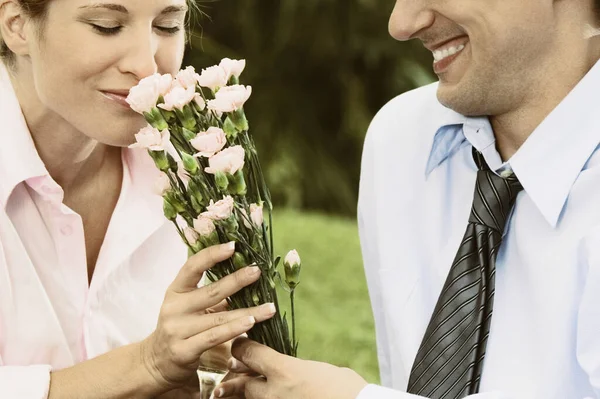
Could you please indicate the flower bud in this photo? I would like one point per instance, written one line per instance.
(239, 261)
(175, 200)
(229, 128)
(230, 224)
(190, 163)
(221, 181)
(237, 183)
(292, 266)
(160, 160)
(169, 210)
(188, 134)
(190, 235)
(238, 117)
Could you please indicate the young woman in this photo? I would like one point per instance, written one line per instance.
(86, 256)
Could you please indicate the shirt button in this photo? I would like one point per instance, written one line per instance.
(506, 173)
(66, 230)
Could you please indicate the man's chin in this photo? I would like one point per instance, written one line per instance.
(465, 102)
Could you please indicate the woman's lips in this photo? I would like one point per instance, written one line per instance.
(118, 97)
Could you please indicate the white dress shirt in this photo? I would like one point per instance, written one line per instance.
(417, 185)
(49, 317)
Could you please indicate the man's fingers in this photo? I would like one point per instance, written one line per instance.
(233, 388)
(190, 274)
(257, 388)
(238, 367)
(259, 358)
(212, 294)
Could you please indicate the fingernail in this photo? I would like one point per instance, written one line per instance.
(219, 392)
(249, 321)
(230, 246)
(253, 271)
(269, 308)
(232, 364)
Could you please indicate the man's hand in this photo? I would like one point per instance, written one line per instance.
(286, 377)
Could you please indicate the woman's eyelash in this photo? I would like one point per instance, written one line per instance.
(107, 30)
(170, 30)
(116, 29)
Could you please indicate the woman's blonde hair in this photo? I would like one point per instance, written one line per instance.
(37, 10)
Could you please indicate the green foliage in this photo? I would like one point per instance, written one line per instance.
(320, 70)
(333, 313)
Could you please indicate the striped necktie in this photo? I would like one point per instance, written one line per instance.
(450, 359)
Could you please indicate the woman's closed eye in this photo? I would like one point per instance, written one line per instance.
(113, 30)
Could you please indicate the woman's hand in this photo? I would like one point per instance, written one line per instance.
(187, 324)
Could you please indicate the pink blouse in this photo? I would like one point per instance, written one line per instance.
(49, 317)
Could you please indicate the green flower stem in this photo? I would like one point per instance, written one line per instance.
(292, 292)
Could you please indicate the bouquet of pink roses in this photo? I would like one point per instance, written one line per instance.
(212, 183)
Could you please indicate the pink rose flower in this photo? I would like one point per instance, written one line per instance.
(190, 235)
(233, 67)
(204, 225)
(178, 98)
(151, 139)
(182, 173)
(200, 101)
(230, 160)
(143, 97)
(230, 98)
(213, 78)
(162, 184)
(210, 142)
(219, 210)
(187, 77)
(164, 82)
(256, 214)
(292, 258)
(245, 218)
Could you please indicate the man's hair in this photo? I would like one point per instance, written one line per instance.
(37, 10)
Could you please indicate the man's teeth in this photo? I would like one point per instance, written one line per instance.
(439, 55)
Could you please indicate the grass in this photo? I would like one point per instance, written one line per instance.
(333, 312)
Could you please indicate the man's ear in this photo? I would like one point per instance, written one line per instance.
(13, 24)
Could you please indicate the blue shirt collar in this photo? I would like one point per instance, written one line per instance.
(551, 159)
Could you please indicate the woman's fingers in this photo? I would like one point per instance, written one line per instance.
(190, 274)
(208, 339)
(220, 307)
(191, 325)
(212, 294)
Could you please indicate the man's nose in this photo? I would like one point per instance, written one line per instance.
(410, 17)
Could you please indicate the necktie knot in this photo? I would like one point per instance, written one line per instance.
(494, 196)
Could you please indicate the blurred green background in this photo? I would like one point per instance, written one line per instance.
(320, 70)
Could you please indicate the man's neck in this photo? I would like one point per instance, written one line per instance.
(557, 79)
(71, 158)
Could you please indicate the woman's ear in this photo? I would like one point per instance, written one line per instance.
(13, 23)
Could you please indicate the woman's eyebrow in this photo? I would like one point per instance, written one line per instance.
(122, 9)
(109, 6)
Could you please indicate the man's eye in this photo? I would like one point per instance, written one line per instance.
(107, 30)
